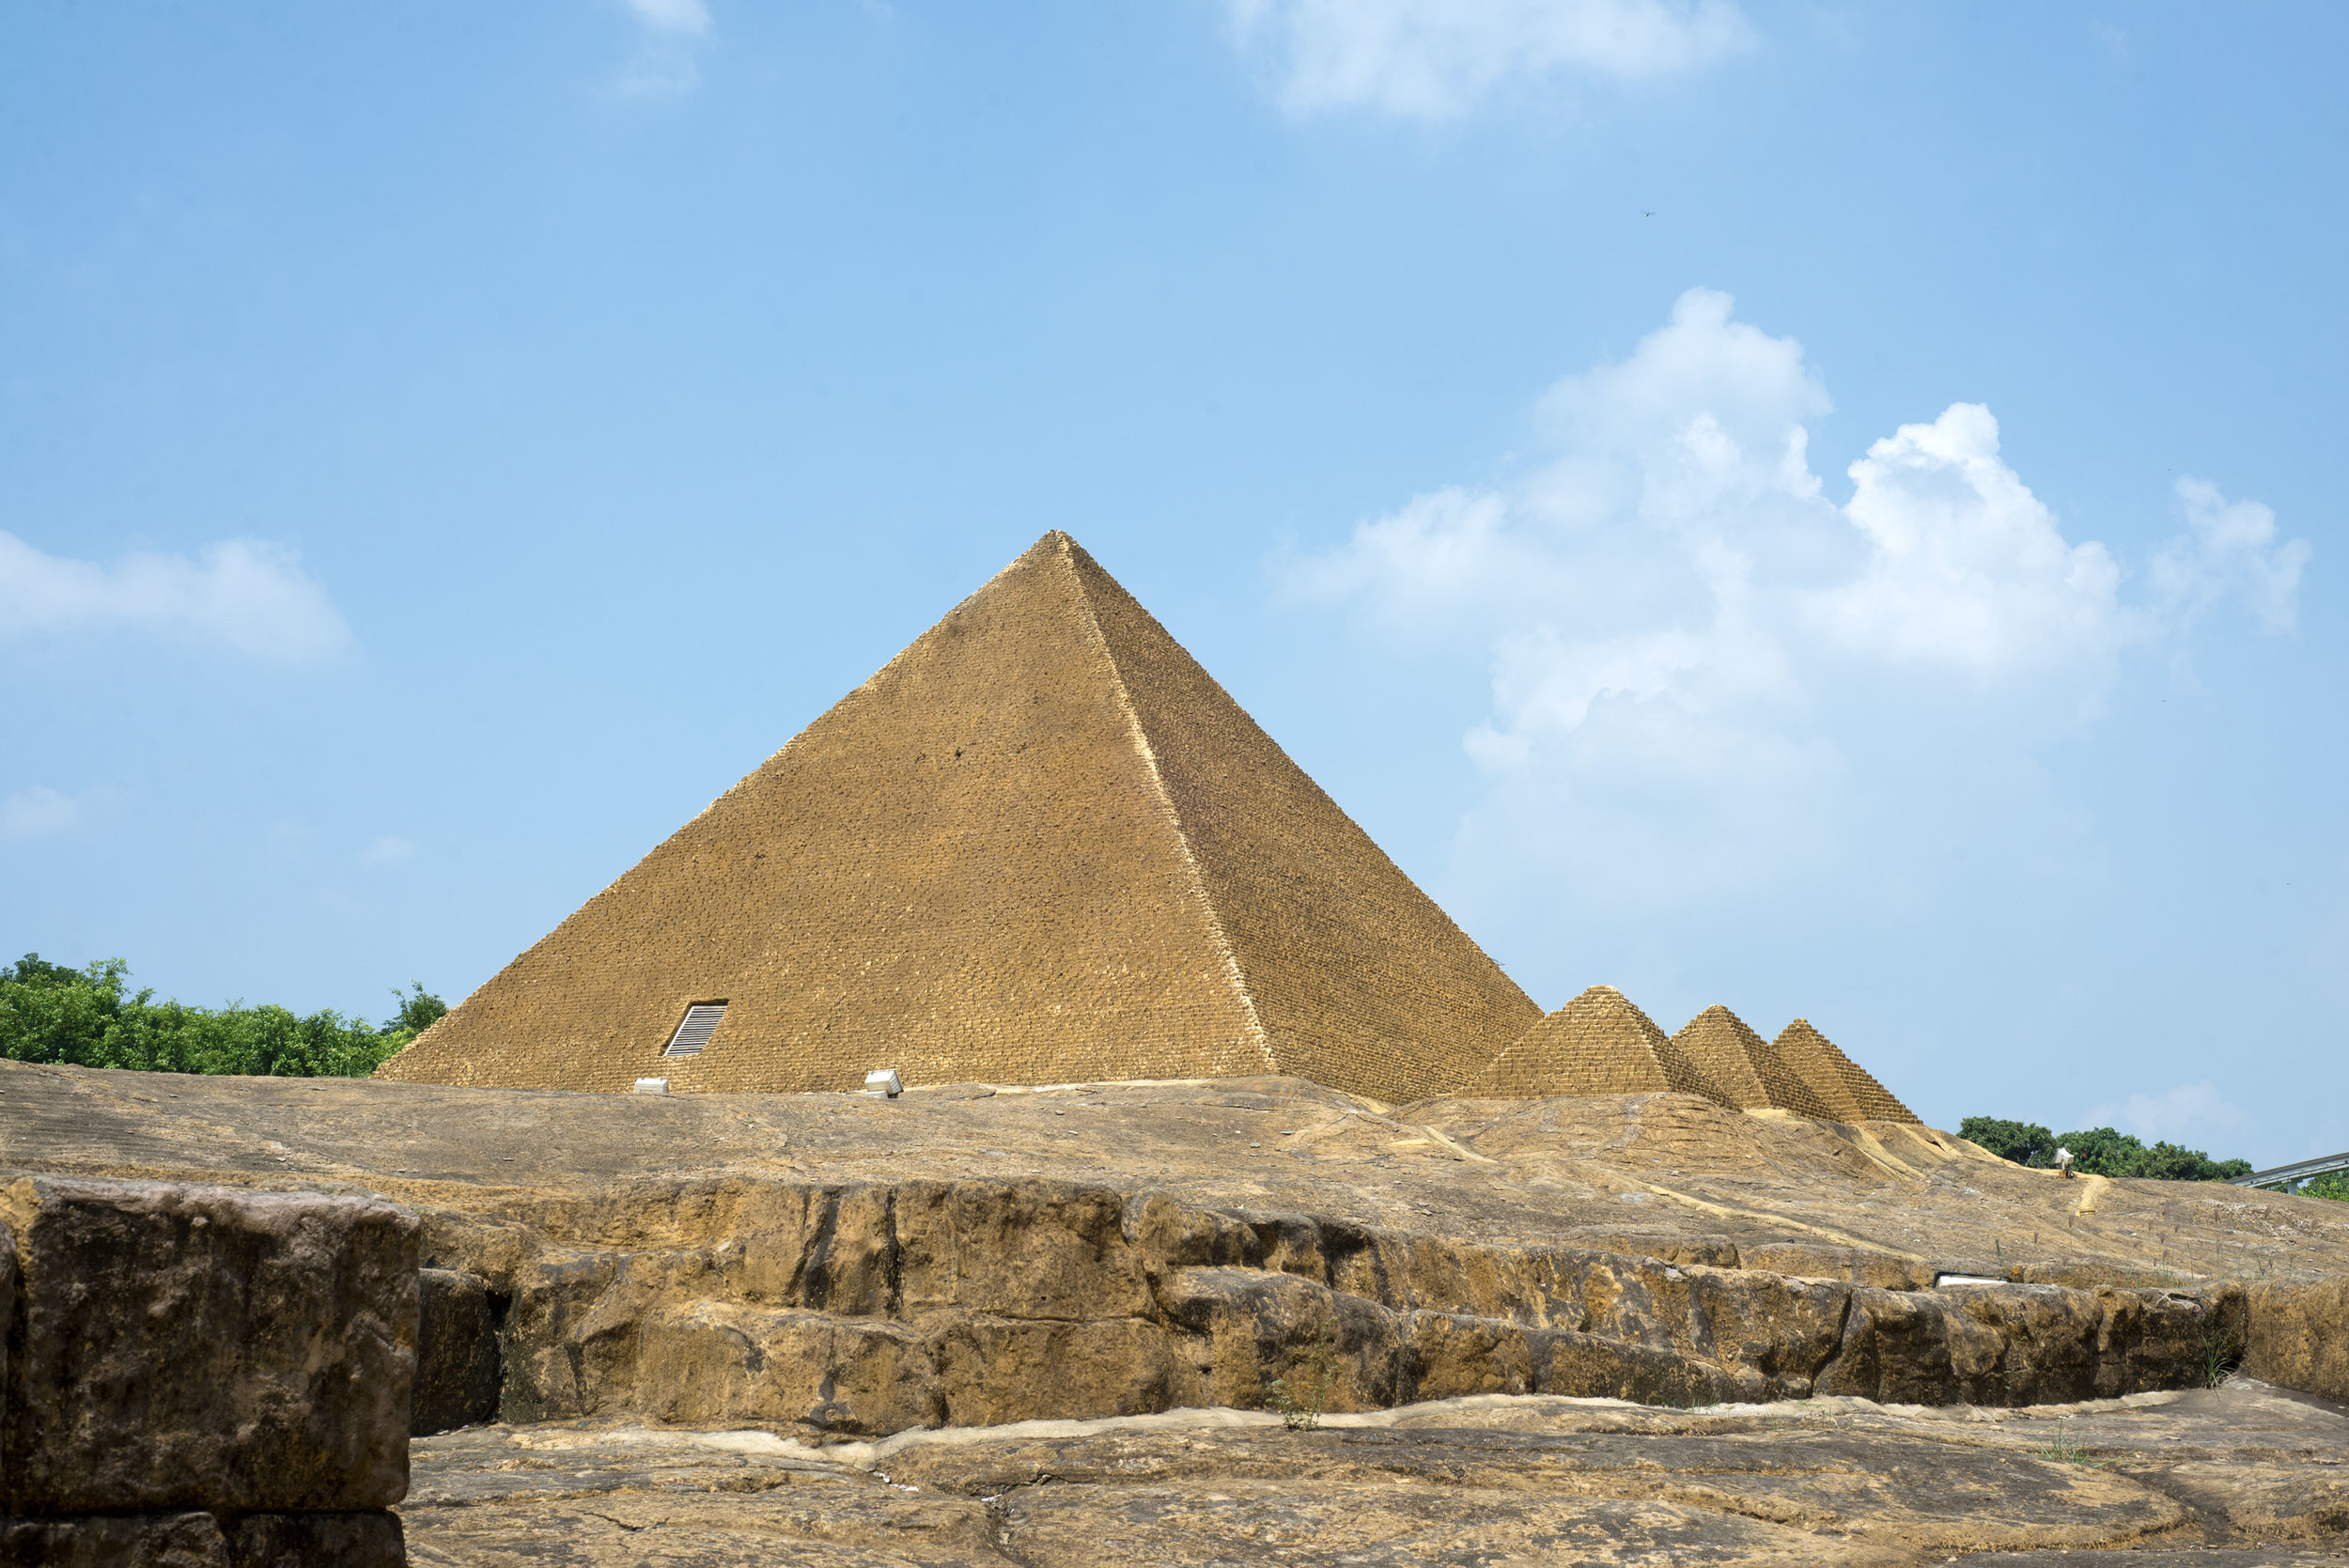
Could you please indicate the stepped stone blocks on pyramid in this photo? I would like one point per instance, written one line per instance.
(1041, 845)
(1599, 1042)
(1745, 1067)
(1846, 1089)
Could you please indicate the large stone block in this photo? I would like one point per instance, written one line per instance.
(1241, 1329)
(194, 1540)
(1857, 1265)
(993, 1370)
(1032, 1250)
(2298, 1337)
(370, 1540)
(208, 1347)
(117, 1540)
(2161, 1338)
(457, 1352)
(1911, 1347)
(709, 1363)
(8, 1337)
(1589, 1367)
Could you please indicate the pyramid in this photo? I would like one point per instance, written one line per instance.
(1041, 845)
(1845, 1087)
(1745, 1067)
(1599, 1043)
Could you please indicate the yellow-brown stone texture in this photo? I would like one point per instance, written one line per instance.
(1041, 845)
(1848, 1091)
(1600, 1043)
(1745, 1067)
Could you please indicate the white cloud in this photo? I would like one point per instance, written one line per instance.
(39, 812)
(2194, 1114)
(242, 595)
(1966, 568)
(1433, 60)
(2229, 545)
(664, 64)
(388, 850)
(1694, 648)
(685, 18)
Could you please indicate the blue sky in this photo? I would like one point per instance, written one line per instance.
(1829, 510)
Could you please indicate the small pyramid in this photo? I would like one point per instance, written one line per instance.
(1745, 1067)
(1843, 1085)
(1599, 1043)
(1040, 845)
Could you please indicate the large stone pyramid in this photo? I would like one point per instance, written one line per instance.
(1745, 1067)
(1600, 1043)
(1848, 1091)
(1042, 845)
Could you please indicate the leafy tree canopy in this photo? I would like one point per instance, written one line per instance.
(2024, 1142)
(2098, 1151)
(2332, 1184)
(88, 1018)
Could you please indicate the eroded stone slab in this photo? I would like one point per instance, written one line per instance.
(2208, 1479)
(208, 1347)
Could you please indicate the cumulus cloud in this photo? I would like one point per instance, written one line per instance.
(1692, 643)
(241, 595)
(1434, 59)
(1966, 567)
(2194, 1114)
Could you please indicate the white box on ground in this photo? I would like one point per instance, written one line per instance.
(883, 1084)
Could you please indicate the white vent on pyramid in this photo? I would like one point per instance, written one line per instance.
(701, 1021)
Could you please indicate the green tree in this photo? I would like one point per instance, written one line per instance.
(2097, 1151)
(2024, 1142)
(86, 1017)
(2332, 1184)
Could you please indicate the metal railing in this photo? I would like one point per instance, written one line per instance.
(2285, 1176)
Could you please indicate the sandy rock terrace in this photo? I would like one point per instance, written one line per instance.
(991, 1325)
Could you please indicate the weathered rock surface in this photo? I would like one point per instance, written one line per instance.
(1690, 1181)
(867, 1310)
(2215, 1479)
(197, 1540)
(206, 1347)
(457, 1373)
(115, 1541)
(847, 1266)
(2298, 1336)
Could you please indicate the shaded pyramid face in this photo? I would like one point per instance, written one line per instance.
(1040, 845)
(1600, 1044)
(1845, 1087)
(1745, 1067)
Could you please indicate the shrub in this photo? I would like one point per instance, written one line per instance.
(88, 1017)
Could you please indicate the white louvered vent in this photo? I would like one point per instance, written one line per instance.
(693, 1033)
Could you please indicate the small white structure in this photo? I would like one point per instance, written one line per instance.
(2064, 1162)
(652, 1085)
(883, 1084)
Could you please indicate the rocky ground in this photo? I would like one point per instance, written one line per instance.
(1672, 1173)
(729, 1329)
(2236, 1476)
